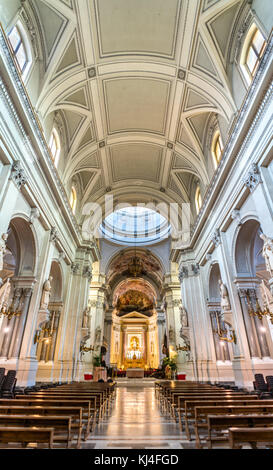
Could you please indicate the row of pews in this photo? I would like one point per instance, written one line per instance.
(59, 416)
(213, 415)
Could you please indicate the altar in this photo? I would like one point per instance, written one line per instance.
(135, 373)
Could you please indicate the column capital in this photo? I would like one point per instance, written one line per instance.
(216, 238)
(54, 234)
(18, 175)
(183, 273)
(253, 177)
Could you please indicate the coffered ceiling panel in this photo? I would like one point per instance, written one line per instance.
(148, 27)
(136, 104)
(136, 161)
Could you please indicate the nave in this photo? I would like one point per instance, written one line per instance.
(136, 422)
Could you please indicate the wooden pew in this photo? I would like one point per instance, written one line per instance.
(189, 407)
(223, 423)
(74, 412)
(88, 413)
(60, 424)
(202, 412)
(239, 436)
(96, 397)
(103, 395)
(205, 396)
(27, 435)
(172, 401)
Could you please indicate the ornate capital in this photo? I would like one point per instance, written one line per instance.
(183, 273)
(53, 234)
(87, 272)
(75, 268)
(18, 175)
(195, 269)
(176, 302)
(253, 177)
(216, 238)
(235, 215)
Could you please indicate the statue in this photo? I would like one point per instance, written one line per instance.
(183, 317)
(268, 253)
(46, 293)
(85, 318)
(3, 240)
(171, 334)
(225, 303)
(97, 335)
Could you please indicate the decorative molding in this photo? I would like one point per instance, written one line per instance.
(18, 175)
(54, 234)
(253, 177)
(91, 72)
(183, 273)
(216, 238)
(241, 35)
(235, 215)
(87, 272)
(181, 74)
(75, 268)
(27, 21)
(34, 214)
(195, 269)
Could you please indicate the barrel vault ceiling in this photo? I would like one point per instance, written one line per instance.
(135, 82)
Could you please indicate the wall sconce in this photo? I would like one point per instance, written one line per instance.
(258, 312)
(38, 335)
(84, 349)
(9, 313)
(183, 348)
(223, 333)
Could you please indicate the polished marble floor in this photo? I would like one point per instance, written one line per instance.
(136, 422)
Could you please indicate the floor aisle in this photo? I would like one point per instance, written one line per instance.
(136, 423)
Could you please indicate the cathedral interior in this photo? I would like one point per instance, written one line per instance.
(136, 202)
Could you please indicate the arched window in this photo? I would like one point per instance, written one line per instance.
(54, 146)
(217, 148)
(252, 52)
(198, 199)
(20, 47)
(73, 199)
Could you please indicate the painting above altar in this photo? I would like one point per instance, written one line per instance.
(134, 300)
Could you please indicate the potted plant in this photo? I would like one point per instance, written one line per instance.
(97, 361)
(169, 366)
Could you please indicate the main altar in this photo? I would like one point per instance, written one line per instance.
(134, 357)
(134, 342)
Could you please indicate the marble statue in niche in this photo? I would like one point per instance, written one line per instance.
(171, 334)
(46, 293)
(225, 303)
(3, 241)
(268, 252)
(85, 318)
(97, 335)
